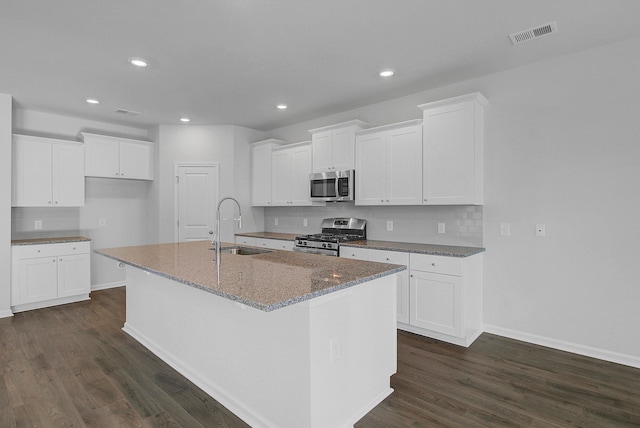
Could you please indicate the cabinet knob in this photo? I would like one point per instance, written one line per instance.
(56, 202)
(37, 251)
(60, 259)
(387, 200)
(411, 276)
(53, 260)
(381, 200)
(425, 200)
(74, 248)
(387, 258)
(49, 202)
(433, 264)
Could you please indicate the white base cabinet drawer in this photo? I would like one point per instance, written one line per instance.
(245, 240)
(274, 244)
(49, 274)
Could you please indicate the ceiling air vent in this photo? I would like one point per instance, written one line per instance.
(128, 112)
(533, 33)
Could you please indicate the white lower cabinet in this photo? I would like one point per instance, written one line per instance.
(274, 244)
(446, 297)
(392, 257)
(49, 274)
(438, 296)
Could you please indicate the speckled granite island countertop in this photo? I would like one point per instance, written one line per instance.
(39, 241)
(266, 281)
(436, 250)
(270, 235)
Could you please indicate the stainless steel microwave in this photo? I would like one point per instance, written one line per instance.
(333, 186)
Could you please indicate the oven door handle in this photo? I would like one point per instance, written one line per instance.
(316, 251)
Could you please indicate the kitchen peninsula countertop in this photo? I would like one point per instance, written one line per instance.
(266, 281)
(39, 241)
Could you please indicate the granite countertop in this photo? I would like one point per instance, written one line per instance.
(436, 250)
(270, 235)
(266, 281)
(38, 241)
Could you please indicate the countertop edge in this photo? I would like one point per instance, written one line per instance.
(44, 241)
(444, 250)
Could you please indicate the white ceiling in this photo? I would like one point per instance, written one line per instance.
(231, 61)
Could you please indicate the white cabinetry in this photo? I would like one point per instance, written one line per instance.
(453, 150)
(334, 146)
(47, 172)
(446, 297)
(291, 166)
(392, 257)
(274, 244)
(261, 172)
(389, 165)
(246, 240)
(115, 157)
(49, 274)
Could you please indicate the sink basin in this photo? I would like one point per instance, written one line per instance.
(243, 251)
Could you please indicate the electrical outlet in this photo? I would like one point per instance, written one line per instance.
(505, 229)
(305, 223)
(389, 225)
(102, 222)
(441, 227)
(541, 230)
(37, 224)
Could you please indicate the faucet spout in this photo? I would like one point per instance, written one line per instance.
(217, 238)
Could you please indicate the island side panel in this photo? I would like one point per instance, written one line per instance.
(255, 363)
(353, 351)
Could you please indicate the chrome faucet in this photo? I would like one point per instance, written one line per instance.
(217, 237)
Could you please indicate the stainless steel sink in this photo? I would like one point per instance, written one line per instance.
(244, 251)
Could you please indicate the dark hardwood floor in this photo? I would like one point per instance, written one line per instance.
(72, 366)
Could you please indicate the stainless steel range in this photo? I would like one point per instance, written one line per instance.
(334, 231)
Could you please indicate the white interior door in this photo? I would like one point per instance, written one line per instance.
(196, 199)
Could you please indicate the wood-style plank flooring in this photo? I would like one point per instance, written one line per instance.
(72, 366)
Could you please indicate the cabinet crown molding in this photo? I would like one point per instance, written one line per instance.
(291, 146)
(391, 126)
(474, 96)
(268, 141)
(40, 139)
(84, 135)
(355, 123)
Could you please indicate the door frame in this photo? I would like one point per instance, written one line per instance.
(176, 167)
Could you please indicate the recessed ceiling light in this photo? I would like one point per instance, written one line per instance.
(92, 101)
(139, 62)
(281, 106)
(387, 73)
(185, 119)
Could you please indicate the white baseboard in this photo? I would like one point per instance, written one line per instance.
(601, 354)
(106, 285)
(6, 313)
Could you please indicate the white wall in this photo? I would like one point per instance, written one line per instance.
(5, 205)
(561, 148)
(198, 143)
(124, 204)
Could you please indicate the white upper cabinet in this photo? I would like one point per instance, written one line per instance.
(291, 166)
(334, 146)
(47, 172)
(115, 157)
(261, 172)
(453, 140)
(389, 165)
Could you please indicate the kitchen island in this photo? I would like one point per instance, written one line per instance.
(285, 340)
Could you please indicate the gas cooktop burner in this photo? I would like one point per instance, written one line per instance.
(334, 231)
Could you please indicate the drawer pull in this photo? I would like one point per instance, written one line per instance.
(387, 258)
(433, 264)
(37, 251)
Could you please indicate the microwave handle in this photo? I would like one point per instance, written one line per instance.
(337, 180)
